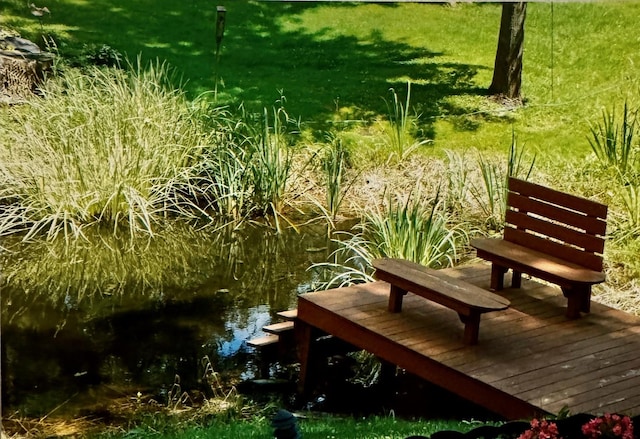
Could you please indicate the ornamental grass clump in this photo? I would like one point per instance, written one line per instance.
(271, 162)
(266, 156)
(491, 195)
(416, 230)
(117, 148)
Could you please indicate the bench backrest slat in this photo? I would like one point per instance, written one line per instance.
(577, 238)
(564, 225)
(579, 204)
(591, 225)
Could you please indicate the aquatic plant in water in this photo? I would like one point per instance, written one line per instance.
(271, 163)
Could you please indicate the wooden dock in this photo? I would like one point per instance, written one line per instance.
(530, 359)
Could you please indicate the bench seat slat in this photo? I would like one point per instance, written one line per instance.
(573, 202)
(590, 224)
(469, 301)
(538, 264)
(409, 276)
(589, 243)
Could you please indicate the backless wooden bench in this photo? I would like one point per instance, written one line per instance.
(550, 235)
(469, 301)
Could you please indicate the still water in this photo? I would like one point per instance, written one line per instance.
(100, 322)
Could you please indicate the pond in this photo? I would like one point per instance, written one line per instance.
(188, 296)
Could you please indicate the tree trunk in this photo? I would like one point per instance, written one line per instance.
(507, 72)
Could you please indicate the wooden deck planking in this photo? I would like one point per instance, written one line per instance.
(589, 393)
(530, 359)
(566, 370)
(575, 345)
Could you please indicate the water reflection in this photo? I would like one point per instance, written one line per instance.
(237, 330)
(81, 325)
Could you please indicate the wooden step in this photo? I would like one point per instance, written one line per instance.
(261, 342)
(278, 328)
(290, 314)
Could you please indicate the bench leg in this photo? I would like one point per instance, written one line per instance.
(516, 279)
(578, 300)
(471, 328)
(395, 298)
(497, 277)
(586, 301)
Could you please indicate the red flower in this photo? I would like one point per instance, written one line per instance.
(541, 429)
(609, 426)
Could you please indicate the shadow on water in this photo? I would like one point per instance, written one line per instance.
(79, 349)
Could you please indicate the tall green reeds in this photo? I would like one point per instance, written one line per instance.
(458, 182)
(270, 163)
(226, 169)
(118, 148)
(401, 127)
(628, 227)
(334, 165)
(416, 230)
(491, 194)
(229, 181)
(613, 141)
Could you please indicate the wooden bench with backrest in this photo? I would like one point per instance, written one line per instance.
(469, 301)
(550, 235)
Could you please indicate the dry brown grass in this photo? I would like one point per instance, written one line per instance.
(427, 175)
(15, 428)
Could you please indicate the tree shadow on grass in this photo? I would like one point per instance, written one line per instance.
(267, 54)
(320, 73)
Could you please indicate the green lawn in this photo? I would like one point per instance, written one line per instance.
(315, 428)
(579, 58)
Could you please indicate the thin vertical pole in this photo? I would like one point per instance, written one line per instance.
(552, 54)
(221, 13)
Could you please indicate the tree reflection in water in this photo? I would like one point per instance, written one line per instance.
(105, 317)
